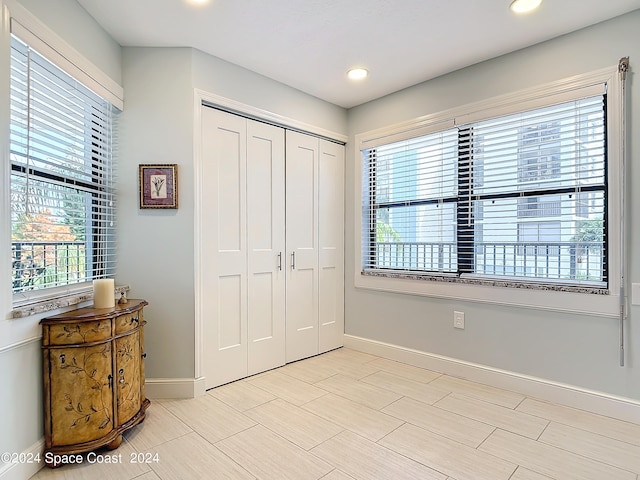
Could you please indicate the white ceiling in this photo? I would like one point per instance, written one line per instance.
(310, 44)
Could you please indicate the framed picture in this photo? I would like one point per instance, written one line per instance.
(158, 186)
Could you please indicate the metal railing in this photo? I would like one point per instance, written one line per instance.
(47, 264)
(556, 260)
(553, 260)
(418, 256)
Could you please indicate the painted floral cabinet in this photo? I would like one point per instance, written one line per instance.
(93, 368)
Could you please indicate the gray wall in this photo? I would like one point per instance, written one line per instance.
(156, 247)
(574, 349)
(21, 398)
(225, 79)
(73, 24)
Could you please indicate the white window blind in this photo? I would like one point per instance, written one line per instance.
(62, 184)
(412, 201)
(519, 196)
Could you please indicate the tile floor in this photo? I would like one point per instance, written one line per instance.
(349, 415)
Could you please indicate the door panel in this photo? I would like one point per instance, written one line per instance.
(331, 246)
(266, 246)
(230, 198)
(302, 245)
(302, 184)
(230, 311)
(262, 326)
(224, 252)
(302, 316)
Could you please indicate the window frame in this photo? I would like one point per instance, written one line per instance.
(17, 19)
(603, 302)
(87, 175)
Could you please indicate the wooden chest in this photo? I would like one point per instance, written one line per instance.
(93, 369)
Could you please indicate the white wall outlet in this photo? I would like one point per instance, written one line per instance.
(458, 320)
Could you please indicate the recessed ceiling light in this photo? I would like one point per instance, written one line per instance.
(197, 2)
(357, 73)
(524, 6)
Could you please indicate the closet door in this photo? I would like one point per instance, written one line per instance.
(331, 246)
(243, 256)
(266, 246)
(302, 155)
(224, 252)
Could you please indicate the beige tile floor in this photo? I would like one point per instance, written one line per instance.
(349, 415)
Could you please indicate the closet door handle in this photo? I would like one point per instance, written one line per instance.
(280, 261)
(293, 260)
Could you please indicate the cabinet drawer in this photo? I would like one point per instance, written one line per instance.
(78, 333)
(127, 322)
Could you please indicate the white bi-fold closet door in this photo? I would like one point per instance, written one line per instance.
(243, 242)
(272, 256)
(314, 242)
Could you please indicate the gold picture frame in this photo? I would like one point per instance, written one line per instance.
(158, 185)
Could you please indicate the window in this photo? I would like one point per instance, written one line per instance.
(412, 194)
(62, 185)
(519, 197)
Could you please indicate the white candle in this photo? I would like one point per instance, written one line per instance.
(104, 293)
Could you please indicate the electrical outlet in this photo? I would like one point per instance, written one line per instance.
(458, 320)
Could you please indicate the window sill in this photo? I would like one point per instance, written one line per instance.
(492, 282)
(56, 302)
(585, 300)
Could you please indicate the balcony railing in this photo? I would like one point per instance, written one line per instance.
(556, 260)
(419, 256)
(47, 264)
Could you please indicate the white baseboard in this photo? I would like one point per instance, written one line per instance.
(601, 403)
(174, 387)
(27, 468)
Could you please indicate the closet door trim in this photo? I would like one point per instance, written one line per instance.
(206, 99)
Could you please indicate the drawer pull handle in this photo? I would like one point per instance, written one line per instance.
(110, 377)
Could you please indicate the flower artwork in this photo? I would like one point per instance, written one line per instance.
(159, 183)
(158, 186)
